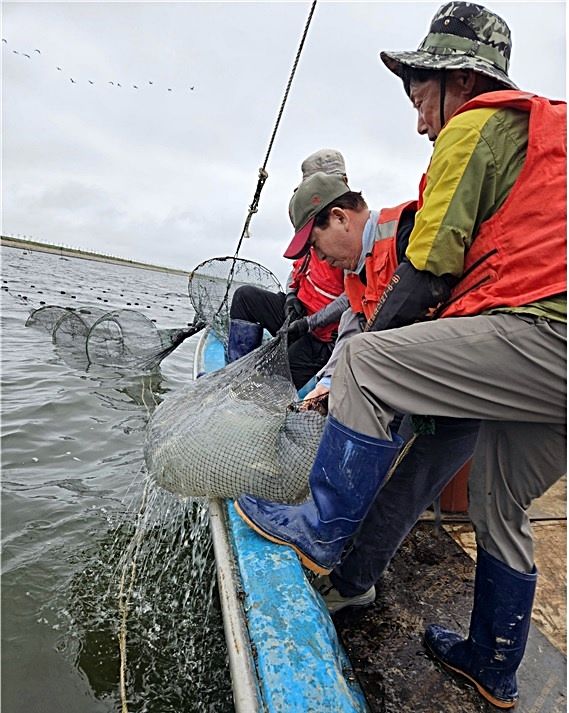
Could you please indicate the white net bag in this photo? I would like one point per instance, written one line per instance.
(232, 432)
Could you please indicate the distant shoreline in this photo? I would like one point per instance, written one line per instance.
(24, 244)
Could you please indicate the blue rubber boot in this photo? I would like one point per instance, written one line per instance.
(347, 474)
(499, 627)
(243, 338)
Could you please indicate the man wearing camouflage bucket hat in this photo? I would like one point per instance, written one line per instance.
(462, 35)
(491, 230)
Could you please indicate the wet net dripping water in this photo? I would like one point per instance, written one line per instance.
(143, 619)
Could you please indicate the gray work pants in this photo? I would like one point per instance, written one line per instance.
(508, 371)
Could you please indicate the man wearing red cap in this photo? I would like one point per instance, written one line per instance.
(314, 300)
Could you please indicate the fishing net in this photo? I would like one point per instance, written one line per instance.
(213, 283)
(231, 432)
(46, 317)
(128, 338)
(71, 329)
(122, 338)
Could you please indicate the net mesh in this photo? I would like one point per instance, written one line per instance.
(72, 328)
(128, 338)
(231, 432)
(212, 284)
(46, 317)
(122, 338)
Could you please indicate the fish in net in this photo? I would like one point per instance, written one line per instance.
(232, 432)
(213, 283)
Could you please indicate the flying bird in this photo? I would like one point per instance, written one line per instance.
(149, 82)
(90, 82)
(58, 68)
(37, 51)
(72, 80)
(26, 55)
(15, 52)
(169, 90)
(112, 83)
(191, 89)
(119, 85)
(3, 40)
(134, 86)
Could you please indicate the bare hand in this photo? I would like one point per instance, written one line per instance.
(315, 400)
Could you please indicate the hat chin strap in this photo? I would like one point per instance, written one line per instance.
(442, 94)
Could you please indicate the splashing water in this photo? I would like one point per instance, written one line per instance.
(73, 518)
(150, 586)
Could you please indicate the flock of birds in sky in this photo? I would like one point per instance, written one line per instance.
(146, 84)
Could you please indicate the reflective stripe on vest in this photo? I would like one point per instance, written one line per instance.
(380, 263)
(317, 284)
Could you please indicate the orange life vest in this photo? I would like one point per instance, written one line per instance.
(380, 263)
(519, 254)
(317, 284)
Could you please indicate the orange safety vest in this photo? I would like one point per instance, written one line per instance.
(317, 284)
(519, 254)
(380, 263)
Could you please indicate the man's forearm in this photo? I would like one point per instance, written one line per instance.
(329, 314)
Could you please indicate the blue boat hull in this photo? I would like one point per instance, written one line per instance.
(284, 653)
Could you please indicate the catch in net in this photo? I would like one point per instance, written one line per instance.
(232, 432)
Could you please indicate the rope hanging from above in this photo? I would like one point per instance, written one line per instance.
(263, 175)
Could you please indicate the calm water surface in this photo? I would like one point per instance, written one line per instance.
(85, 537)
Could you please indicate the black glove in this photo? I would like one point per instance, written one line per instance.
(297, 329)
(294, 307)
(409, 296)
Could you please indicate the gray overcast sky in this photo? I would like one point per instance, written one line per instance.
(167, 177)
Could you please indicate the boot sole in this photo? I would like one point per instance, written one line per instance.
(482, 691)
(306, 561)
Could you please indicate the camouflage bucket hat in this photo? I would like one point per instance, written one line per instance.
(462, 36)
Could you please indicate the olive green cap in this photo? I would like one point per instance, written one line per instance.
(311, 196)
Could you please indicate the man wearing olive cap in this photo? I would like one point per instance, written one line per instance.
(489, 237)
(314, 299)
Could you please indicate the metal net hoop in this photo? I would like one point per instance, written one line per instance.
(122, 337)
(72, 328)
(212, 284)
(46, 317)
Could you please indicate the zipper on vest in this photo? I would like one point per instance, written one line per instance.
(478, 262)
(445, 306)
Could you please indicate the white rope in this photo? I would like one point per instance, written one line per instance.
(134, 547)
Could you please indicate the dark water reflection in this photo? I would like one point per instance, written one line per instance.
(77, 517)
